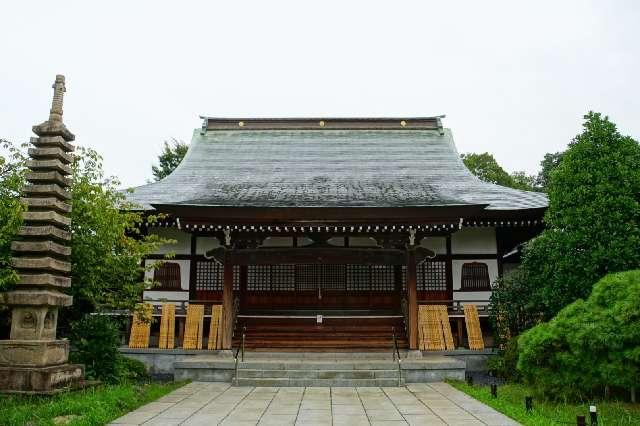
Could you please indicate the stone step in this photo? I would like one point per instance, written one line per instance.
(288, 365)
(318, 374)
(317, 382)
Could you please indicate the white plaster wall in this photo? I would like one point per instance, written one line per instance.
(362, 242)
(204, 244)
(157, 296)
(184, 273)
(278, 242)
(474, 241)
(492, 266)
(183, 240)
(436, 244)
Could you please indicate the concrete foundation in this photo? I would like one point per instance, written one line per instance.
(42, 380)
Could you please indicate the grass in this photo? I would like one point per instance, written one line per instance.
(93, 406)
(510, 401)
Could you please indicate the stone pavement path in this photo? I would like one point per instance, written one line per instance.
(206, 403)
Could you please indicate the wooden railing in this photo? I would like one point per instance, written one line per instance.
(456, 307)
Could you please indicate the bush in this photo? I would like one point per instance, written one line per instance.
(504, 364)
(130, 370)
(95, 339)
(590, 345)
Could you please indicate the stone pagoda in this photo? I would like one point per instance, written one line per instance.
(33, 360)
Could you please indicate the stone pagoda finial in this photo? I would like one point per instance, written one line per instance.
(55, 115)
(34, 360)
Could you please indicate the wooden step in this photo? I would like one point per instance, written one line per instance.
(366, 332)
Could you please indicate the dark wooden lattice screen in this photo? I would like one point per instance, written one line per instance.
(432, 276)
(358, 277)
(382, 278)
(313, 276)
(306, 277)
(209, 276)
(168, 276)
(475, 276)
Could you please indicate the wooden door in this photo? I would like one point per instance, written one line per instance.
(321, 286)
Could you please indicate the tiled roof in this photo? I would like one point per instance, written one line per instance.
(327, 167)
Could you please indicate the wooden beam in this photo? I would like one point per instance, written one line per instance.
(323, 255)
(412, 295)
(227, 304)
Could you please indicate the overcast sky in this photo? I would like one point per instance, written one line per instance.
(513, 79)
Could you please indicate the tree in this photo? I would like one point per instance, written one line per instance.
(107, 244)
(590, 345)
(171, 156)
(549, 163)
(486, 168)
(12, 170)
(592, 223)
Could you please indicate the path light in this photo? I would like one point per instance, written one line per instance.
(593, 413)
(581, 421)
(528, 403)
(494, 390)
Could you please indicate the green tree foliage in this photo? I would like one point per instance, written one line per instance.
(549, 163)
(592, 228)
(11, 182)
(107, 245)
(486, 168)
(590, 344)
(172, 154)
(593, 220)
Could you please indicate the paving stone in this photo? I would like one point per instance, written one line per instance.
(212, 403)
(383, 415)
(278, 420)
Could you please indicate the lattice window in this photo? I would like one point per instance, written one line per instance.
(475, 276)
(258, 278)
(306, 277)
(358, 278)
(283, 277)
(382, 278)
(236, 277)
(432, 276)
(168, 276)
(404, 278)
(209, 275)
(332, 277)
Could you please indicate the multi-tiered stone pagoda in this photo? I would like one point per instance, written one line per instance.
(34, 360)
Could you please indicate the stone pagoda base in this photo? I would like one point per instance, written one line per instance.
(41, 380)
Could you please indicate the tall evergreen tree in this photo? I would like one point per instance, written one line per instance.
(592, 224)
(171, 156)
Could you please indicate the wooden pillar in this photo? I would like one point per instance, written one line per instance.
(227, 303)
(460, 328)
(192, 267)
(412, 295)
(397, 285)
(244, 273)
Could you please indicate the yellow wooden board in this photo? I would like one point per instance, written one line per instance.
(167, 326)
(193, 327)
(474, 333)
(215, 331)
(430, 331)
(446, 327)
(140, 331)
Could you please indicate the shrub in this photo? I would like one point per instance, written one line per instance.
(504, 364)
(589, 345)
(95, 339)
(130, 370)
